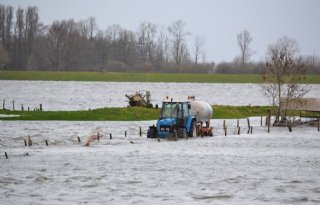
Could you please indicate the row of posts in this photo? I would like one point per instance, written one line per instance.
(22, 107)
(28, 142)
(250, 128)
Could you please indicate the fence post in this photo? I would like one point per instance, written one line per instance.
(125, 133)
(13, 105)
(29, 141)
(140, 131)
(5, 154)
(22, 109)
(40, 107)
(261, 121)
(237, 122)
(238, 130)
(318, 125)
(224, 124)
(46, 141)
(110, 136)
(3, 104)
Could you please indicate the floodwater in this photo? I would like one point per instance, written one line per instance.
(260, 168)
(55, 95)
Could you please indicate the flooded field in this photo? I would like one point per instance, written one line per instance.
(260, 168)
(84, 95)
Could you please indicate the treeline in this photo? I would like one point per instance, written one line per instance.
(67, 45)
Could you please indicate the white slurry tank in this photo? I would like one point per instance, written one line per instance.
(202, 110)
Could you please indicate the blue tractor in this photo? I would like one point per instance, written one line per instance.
(175, 121)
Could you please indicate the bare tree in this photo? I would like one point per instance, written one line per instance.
(18, 58)
(92, 26)
(6, 17)
(198, 48)
(31, 29)
(244, 39)
(4, 58)
(146, 41)
(162, 51)
(283, 75)
(59, 43)
(179, 48)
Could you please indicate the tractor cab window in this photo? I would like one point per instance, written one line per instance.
(171, 110)
(186, 112)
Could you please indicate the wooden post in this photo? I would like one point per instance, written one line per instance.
(290, 126)
(28, 109)
(98, 135)
(29, 141)
(261, 121)
(140, 131)
(46, 141)
(251, 129)
(13, 105)
(40, 107)
(110, 136)
(248, 120)
(79, 139)
(268, 119)
(238, 130)
(22, 109)
(224, 124)
(125, 133)
(3, 104)
(318, 125)
(5, 154)
(237, 122)
(225, 131)
(25, 142)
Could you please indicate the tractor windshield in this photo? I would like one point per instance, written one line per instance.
(174, 110)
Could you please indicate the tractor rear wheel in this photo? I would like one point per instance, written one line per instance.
(193, 129)
(182, 133)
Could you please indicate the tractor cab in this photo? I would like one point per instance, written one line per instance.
(175, 119)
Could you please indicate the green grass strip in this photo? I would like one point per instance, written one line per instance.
(139, 77)
(129, 114)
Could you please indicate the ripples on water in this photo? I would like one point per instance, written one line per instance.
(84, 95)
(275, 168)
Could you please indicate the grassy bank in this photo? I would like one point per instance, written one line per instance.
(139, 77)
(128, 114)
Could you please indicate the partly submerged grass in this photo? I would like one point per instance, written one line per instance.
(128, 114)
(103, 114)
(139, 77)
(234, 112)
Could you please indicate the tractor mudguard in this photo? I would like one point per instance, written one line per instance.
(189, 122)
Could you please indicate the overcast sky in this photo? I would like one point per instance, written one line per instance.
(217, 21)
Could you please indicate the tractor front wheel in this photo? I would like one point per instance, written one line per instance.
(152, 132)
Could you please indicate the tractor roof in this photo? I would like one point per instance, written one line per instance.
(176, 101)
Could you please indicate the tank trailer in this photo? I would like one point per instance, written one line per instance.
(182, 119)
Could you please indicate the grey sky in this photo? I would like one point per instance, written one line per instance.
(218, 21)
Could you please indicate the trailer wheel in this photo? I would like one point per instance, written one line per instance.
(193, 129)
